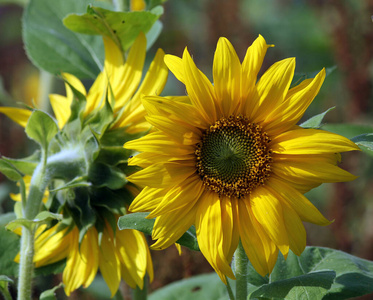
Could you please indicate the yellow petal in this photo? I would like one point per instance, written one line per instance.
(158, 142)
(175, 109)
(181, 132)
(109, 262)
(18, 115)
(199, 89)
(229, 211)
(163, 175)
(179, 196)
(132, 252)
(51, 246)
(273, 87)
(295, 229)
(311, 141)
(311, 171)
(267, 210)
(147, 200)
(61, 108)
(209, 229)
(250, 68)
(125, 79)
(292, 109)
(259, 248)
(175, 64)
(302, 206)
(169, 227)
(75, 83)
(227, 76)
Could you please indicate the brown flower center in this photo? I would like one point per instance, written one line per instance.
(233, 157)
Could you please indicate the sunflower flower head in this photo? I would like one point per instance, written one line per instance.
(229, 159)
(87, 171)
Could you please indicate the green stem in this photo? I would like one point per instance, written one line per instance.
(229, 289)
(241, 266)
(121, 5)
(139, 294)
(45, 88)
(6, 294)
(59, 163)
(26, 265)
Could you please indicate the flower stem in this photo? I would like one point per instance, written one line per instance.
(241, 267)
(229, 289)
(26, 263)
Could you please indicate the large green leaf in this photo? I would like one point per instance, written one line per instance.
(9, 247)
(319, 273)
(121, 27)
(54, 48)
(201, 287)
(348, 130)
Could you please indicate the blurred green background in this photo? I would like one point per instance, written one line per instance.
(335, 34)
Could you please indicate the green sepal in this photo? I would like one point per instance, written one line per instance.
(138, 221)
(80, 209)
(41, 128)
(114, 201)
(121, 27)
(9, 170)
(41, 218)
(76, 182)
(55, 268)
(365, 141)
(100, 119)
(316, 121)
(25, 165)
(50, 294)
(6, 279)
(103, 175)
(113, 155)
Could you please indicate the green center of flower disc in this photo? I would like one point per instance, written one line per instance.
(233, 157)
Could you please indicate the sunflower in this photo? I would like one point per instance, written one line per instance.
(87, 237)
(230, 159)
(124, 254)
(120, 80)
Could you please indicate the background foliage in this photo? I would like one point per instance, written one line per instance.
(336, 34)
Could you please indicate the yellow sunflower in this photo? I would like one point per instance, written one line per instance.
(120, 80)
(124, 254)
(230, 159)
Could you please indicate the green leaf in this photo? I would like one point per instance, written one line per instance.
(348, 130)
(41, 218)
(25, 165)
(201, 287)
(9, 247)
(50, 294)
(310, 286)
(319, 273)
(4, 282)
(9, 171)
(41, 128)
(365, 140)
(136, 221)
(139, 222)
(315, 121)
(54, 48)
(121, 27)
